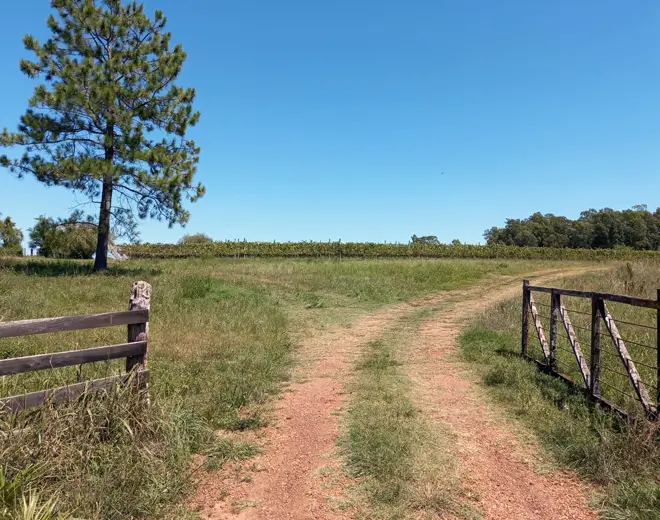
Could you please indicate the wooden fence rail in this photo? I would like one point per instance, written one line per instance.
(590, 371)
(135, 351)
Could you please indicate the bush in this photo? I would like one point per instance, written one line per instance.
(16, 250)
(11, 238)
(64, 239)
(198, 238)
(70, 242)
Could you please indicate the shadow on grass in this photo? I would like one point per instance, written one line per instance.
(52, 268)
(555, 391)
(507, 353)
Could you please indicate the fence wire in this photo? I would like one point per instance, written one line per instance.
(614, 377)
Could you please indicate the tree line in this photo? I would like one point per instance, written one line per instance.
(636, 228)
(72, 237)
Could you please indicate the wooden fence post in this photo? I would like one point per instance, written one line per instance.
(525, 318)
(140, 300)
(595, 347)
(555, 303)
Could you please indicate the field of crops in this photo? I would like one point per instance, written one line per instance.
(375, 250)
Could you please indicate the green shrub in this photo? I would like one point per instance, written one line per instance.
(65, 238)
(11, 238)
(198, 238)
(71, 242)
(15, 250)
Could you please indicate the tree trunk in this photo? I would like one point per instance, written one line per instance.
(101, 259)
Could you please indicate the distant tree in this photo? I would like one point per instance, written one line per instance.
(635, 228)
(493, 236)
(39, 232)
(107, 118)
(11, 238)
(427, 240)
(198, 238)
(456, 242)
(581, 234)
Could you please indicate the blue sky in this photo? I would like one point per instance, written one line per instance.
(335, 120)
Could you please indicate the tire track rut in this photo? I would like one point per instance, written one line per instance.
(302, 477)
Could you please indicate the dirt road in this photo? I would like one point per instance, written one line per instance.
(299, 474)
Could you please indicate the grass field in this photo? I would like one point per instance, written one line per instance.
(222, 336)
(622, 460)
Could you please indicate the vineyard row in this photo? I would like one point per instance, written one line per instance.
(374, 250)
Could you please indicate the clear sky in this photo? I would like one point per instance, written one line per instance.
(335, 119)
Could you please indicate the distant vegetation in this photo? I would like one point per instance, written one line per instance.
(430, 240)
(73, 237)
(373, 250)
(10, 238)
(199, 238)
(635, 228)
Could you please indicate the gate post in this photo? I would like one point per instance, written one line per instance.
(595, 346)
(555, 303)
(140, 300)
(525, 317)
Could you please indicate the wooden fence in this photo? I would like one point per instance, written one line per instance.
(588, 363)
(135, 350)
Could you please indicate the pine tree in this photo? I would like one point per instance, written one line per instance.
(108, 119)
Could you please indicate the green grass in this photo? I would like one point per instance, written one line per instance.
(221, 344)
(226, 450)
(403, 466)
(383, 425)
(623, 460)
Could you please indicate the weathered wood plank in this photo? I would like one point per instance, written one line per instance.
(628, 363)
(631, 300)
(525, 318)
(66, 323)
(68, 393)
(575, 345)
(539, 328)
(594, 380)
(70, 358)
